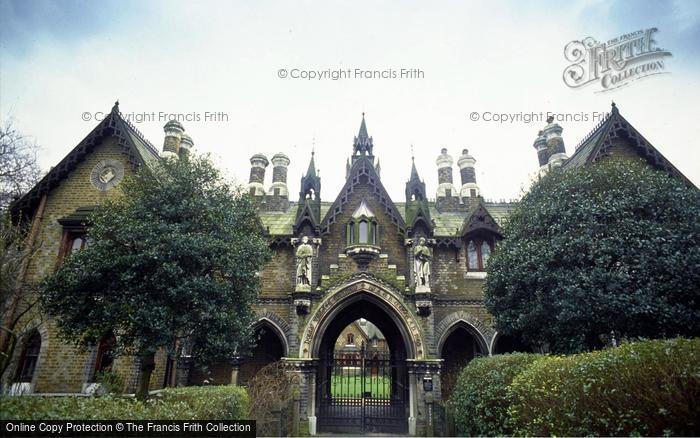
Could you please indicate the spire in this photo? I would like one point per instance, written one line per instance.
(310, 183)
(311, 171)
(115, 108)
(415, 188)
(362, 144)
(414, 171)
(363, 129)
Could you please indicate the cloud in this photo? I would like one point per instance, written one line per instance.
(185, 58)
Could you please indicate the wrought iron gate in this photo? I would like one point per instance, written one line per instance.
(363, 391)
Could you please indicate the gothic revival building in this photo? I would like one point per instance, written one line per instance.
(413, 267)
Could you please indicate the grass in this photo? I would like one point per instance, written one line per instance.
(351, 386)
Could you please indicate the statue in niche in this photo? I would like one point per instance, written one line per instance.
(422, 256)
(305, 253)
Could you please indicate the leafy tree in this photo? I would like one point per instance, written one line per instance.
(614, 246)
(173, 261)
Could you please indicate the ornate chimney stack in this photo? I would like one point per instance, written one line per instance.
(551, 151)
(173, 135)
(466, 169)
(447, 197)
(555, 143)
(543, 154)
(278, 194)
(186, 145)
(258, 163)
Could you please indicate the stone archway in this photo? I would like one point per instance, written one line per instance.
(507, 344)
(362, 287)
(362, 411)
(460, 338)
(482, 332)
(271, 346)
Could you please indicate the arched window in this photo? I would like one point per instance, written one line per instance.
(105, 355)
(364, 232)
(28, 359)
(362, 228)
(472, 256)
(485, 253)
(478, 253)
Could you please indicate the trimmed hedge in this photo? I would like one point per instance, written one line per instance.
(479, 400)
(191, 403)
(648, 388)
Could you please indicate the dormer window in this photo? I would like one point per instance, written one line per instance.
(362, 228)
(478, 253)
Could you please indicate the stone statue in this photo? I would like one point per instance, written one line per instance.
(422, 256)
(305, 253)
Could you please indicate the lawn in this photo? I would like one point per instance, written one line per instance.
(351, 386)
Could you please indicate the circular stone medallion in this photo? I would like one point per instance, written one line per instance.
(106, 174)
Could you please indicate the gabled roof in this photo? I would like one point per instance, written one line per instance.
(363, 167)
(599, 142)
(307, 213)
(479, 220)
(134, 146)
(362, 210)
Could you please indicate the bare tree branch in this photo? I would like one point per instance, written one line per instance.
(19, 170)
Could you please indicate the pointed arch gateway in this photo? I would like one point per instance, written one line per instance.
(366, 393)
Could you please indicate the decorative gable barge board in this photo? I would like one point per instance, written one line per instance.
(362, 167)
(620, 128)
(480, 219)
(614, 127)
(112, 125)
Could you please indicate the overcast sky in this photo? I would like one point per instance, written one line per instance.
(62, 59)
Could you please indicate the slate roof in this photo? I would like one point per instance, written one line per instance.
(133, 144)
(446, 224)
(370, 330)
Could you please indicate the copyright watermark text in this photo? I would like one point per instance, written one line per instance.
(337, 74)
(160, 116)
(535, 117)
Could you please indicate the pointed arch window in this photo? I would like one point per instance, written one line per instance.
(478, 253)
(362, 228)
(29, 358)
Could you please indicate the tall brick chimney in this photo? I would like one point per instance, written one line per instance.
(258, 163)
(173, 135)
(280, 163)
(447, 196)
(469, 188)
(186, 145)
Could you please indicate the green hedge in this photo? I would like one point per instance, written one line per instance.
(648, 388)
(479, 400)
(191, 403)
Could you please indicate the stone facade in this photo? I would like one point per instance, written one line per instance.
(354, 276)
